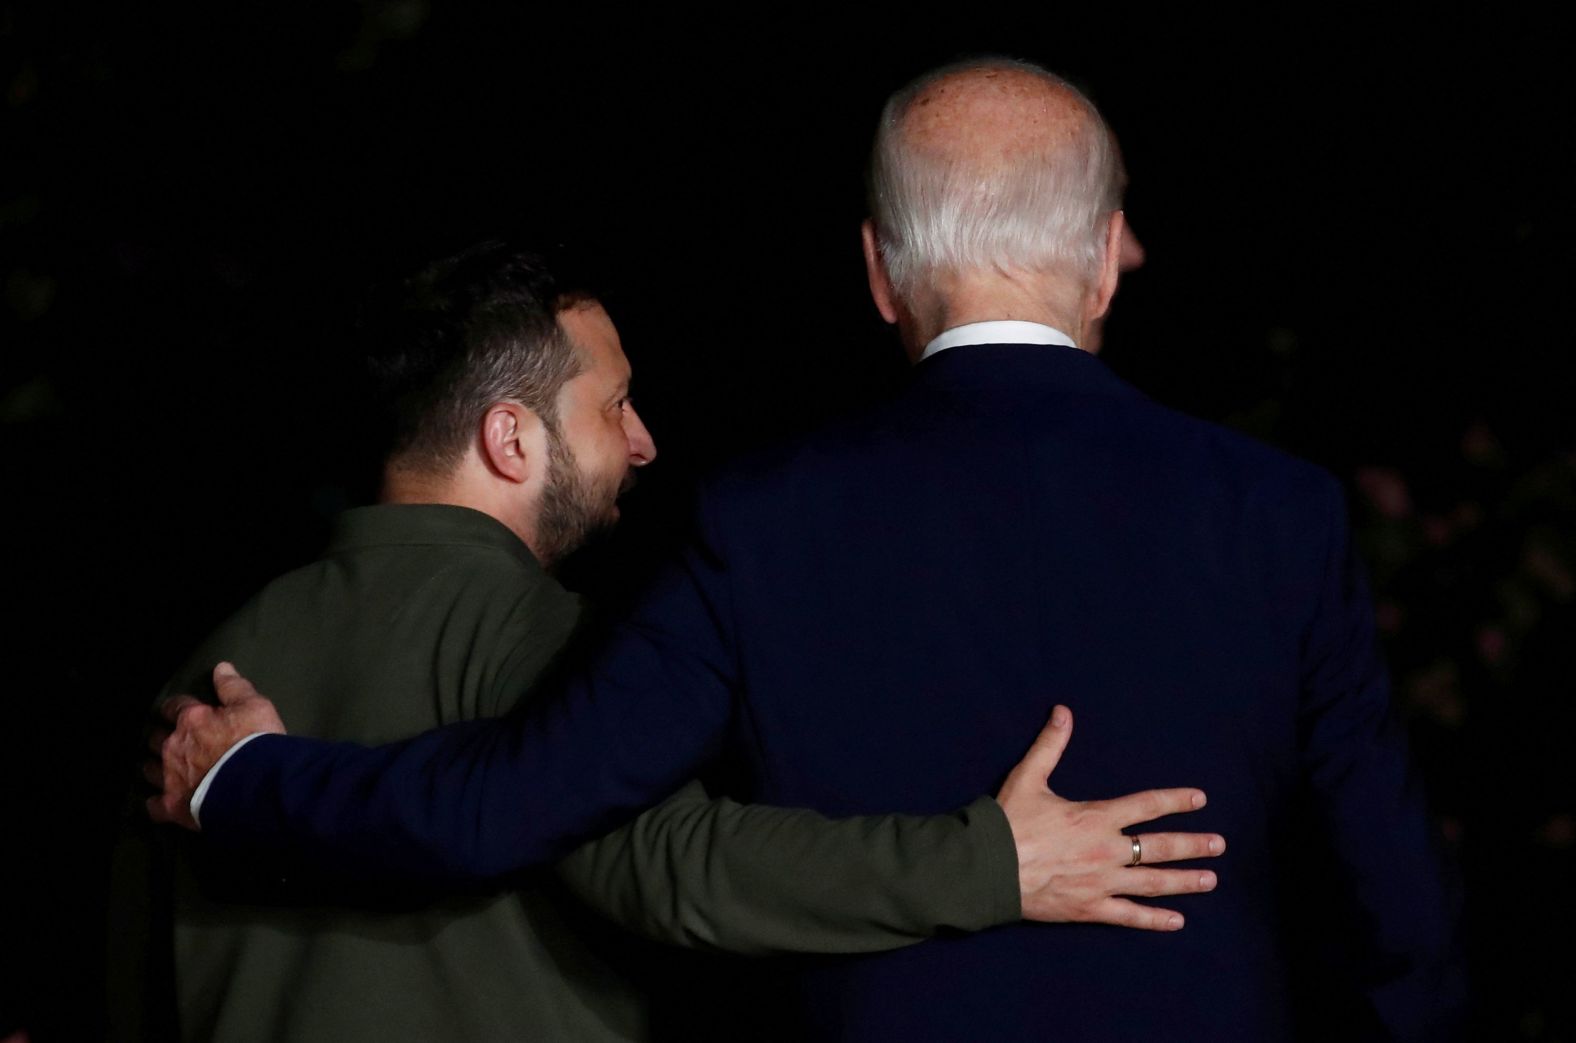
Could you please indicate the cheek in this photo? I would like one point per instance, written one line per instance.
(613, 451)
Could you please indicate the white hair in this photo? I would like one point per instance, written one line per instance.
(956, 213)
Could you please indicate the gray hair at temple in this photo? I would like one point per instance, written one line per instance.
(1046, 209)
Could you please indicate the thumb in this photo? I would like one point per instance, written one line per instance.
(1045, 753)
(230, 686)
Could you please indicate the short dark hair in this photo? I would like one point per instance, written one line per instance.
(473, 329)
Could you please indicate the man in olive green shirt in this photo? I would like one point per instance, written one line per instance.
(512, 436)
(440, 588)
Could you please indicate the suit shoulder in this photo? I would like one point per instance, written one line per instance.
(1153, 430)
(1241, 457)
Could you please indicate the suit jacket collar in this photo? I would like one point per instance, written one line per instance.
(1034, 367)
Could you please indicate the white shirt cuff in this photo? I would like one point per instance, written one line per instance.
(207, 780)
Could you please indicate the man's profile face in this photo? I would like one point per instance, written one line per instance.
(600, 437)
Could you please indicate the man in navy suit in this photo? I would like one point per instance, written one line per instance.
(869, 620)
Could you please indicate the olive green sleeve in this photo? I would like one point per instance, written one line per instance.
(753, 879)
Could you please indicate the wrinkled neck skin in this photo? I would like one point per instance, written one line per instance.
(943, 300)
(952, 300)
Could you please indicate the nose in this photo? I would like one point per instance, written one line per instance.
(1131, 251)
(642, 448)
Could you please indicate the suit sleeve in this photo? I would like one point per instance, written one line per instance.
(753, 879)
(478, 800)
(1355, 761)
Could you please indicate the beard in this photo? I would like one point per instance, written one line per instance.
(574, 506)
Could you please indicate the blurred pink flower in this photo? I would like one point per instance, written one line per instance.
(1479, 445)
(1435, 690)
(1386, 490)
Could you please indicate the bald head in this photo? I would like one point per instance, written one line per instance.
(992, 166)
(992, 116)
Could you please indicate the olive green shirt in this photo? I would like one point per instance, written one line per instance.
(421, 615)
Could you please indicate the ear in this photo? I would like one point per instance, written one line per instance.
(1111, 268)
(510, 441)
(875, 271)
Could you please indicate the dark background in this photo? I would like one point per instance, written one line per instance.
(1359, 245)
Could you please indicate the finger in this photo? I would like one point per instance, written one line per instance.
(1046, 751)
(153, 773)
(1174, 847)
(1125, 913)
(156, 737)
(172, 708)
(1153, 804)
(229, 685)
(1151, 883)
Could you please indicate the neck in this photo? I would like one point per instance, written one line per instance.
(959, 300)
(408, 485)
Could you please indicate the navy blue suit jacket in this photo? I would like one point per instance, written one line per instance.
(880, 618)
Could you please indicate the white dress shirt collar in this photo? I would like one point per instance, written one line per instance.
(998, 331)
